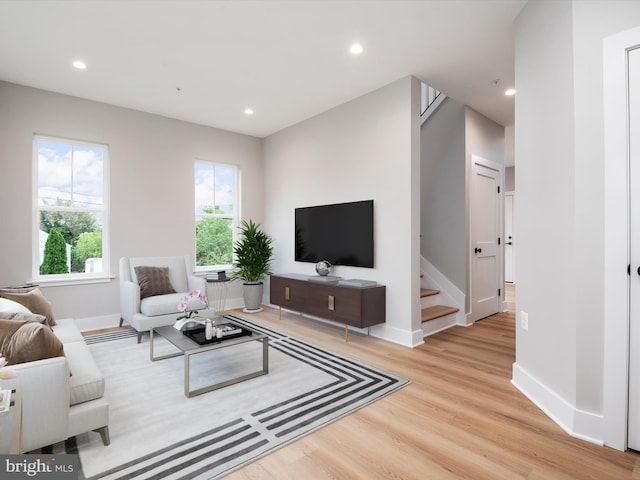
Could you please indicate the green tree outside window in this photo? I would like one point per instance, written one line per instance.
(55, 254)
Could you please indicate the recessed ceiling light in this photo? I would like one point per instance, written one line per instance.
(510, 92)
(356, 49)
(79, 64)
(248, 111)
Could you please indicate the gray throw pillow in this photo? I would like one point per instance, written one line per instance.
(154, 281)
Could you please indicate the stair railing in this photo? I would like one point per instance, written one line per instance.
(431, 100)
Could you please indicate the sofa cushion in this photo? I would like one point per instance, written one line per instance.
(7, 305)
(161, 305)
(67, 331)
(35, 301)
(166, 304)
(23, 317)
(153, 281)
(86, 381)
(22, 342)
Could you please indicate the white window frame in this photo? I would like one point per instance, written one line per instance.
(71, 278)
(234, 217)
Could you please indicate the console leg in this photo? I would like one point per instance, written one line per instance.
(346, 333)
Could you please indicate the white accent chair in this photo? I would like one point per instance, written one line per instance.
(158, 310)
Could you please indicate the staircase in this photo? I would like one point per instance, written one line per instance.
(435, 317)
(431, 100)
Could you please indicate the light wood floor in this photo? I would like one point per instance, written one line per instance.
(460, 418)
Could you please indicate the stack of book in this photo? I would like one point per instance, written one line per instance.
(217, 276)
(324, 278)
(228, 329)
(356, 282)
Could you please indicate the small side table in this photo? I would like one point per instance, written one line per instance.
(218, 295)
(15, 410)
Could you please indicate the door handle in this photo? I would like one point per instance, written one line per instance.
(479, 250)
(511, 243)
(638, 270)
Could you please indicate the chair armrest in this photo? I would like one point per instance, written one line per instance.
(197, 283)
(45, 401)
(129, 300)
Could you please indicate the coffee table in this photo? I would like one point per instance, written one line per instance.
(188, 348)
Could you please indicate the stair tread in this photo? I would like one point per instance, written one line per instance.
(425, 292)
(437, 311)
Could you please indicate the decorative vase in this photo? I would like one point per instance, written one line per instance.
(208, 330)
(323, 267)
(252, 294)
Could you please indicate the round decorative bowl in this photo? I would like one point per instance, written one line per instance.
(323, 268)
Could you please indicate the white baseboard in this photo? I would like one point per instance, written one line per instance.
(402, 337)
(97, 323)
(577, 423)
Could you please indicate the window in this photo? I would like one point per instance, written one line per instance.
(71, 192)
(216, 212)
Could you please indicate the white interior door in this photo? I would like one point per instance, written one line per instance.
(485, 222)
(633, 426)
(509, 244)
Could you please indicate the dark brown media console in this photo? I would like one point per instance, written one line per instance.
(359, 307)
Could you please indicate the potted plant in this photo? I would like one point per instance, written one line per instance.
(252, 262)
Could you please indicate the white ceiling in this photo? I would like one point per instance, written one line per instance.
(288, 60)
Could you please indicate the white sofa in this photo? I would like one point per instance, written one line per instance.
(61, 396)
(158, 310)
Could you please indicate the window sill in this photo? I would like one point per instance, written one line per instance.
(63, 282)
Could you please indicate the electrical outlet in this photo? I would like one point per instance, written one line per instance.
(524, 320)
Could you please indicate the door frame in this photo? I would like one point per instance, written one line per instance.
(616, 237)
(502, 306)
(512, 194)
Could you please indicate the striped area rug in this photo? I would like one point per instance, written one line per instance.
(109, 336)
(307, 387)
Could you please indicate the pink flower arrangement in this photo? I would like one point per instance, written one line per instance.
(4, 373)
(183, 306)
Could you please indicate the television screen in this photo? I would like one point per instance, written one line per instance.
(341, 233)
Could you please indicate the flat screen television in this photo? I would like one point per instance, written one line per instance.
(340, 233)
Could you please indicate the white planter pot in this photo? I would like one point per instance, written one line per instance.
(252, 294)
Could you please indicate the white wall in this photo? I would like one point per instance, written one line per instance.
(593, 21)
(152, 192)
(442, 211)
(365, 149)
(451, 136)
(483, 138)
(559, 142)
(544, 146)
(509, 149)
(509, 179)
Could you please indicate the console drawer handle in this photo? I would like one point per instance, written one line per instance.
(332, 302)
(287, 293)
